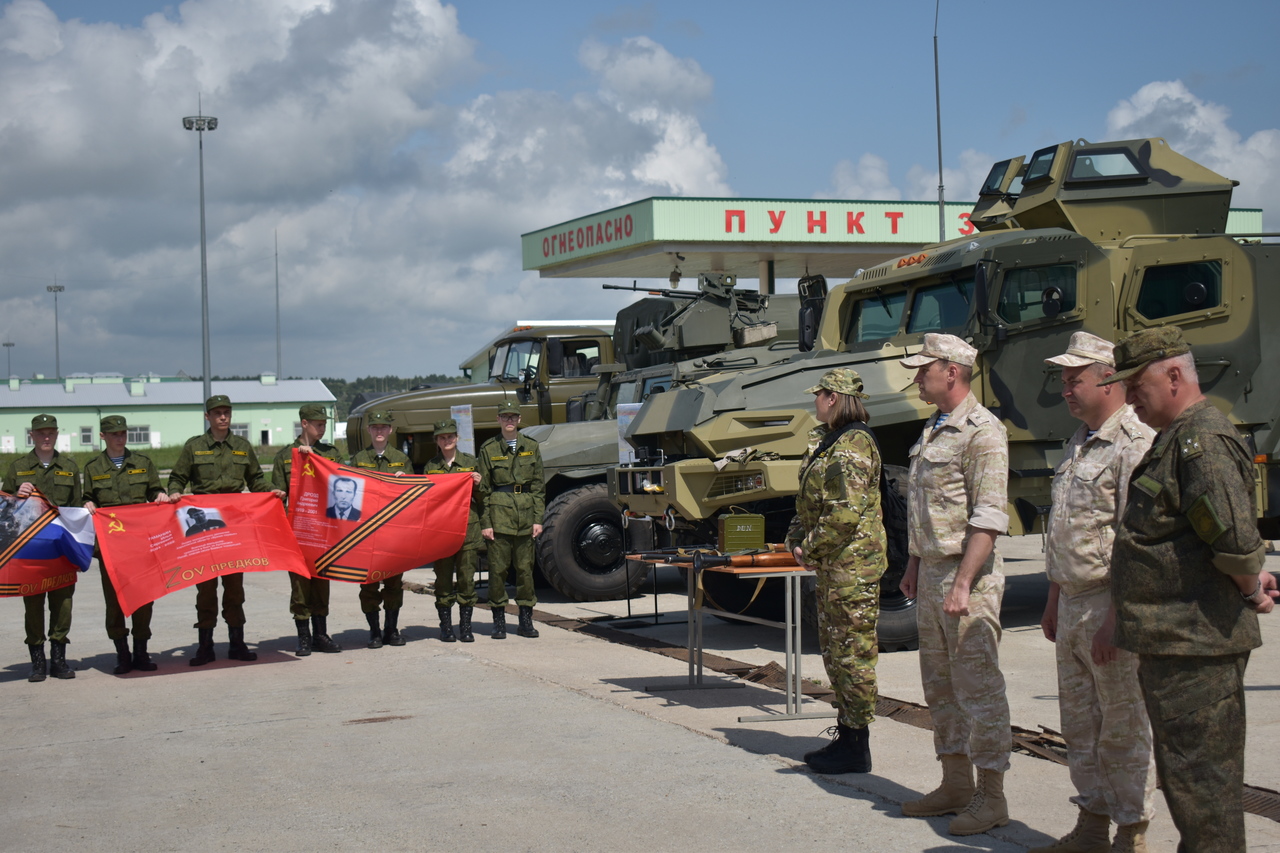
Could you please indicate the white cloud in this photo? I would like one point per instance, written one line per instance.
(868, 179)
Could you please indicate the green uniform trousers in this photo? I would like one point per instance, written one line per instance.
(59, 615)
(508, 551)
(116, 628)
(232, 602)
(308, 597)
(456, 578)
(391, 596)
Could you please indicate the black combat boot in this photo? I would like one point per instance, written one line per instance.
(322, 642)
(526, 623)
(464, 624)
(375, 633)
(446, 625)
(124, 661)
(142, 661)
(39, 666)
(304, 637)
(499, 624)
(391, 634)
(58, 661)
(850, 752)
(204, 652)
(238, 650)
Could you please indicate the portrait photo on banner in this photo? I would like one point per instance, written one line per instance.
(196, 519)
(346, 496)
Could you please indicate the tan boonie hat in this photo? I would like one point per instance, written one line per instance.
(508, 407)
(313, 412)
(946, 347)
(1141, 348)
(44, 422)
(842, 380)
(113, 423)
(1085, 349)
(380, 416)
(448, 426)
(217, 401)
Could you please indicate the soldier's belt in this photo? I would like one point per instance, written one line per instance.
(514, 488)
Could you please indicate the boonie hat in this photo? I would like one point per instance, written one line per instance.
(44, 422)
(448, 426)
(113, 423)
(1141, 348)
(508, 407)
(381, 416)
(1085, 349)
(216, 401)
(313, 412)
(946, 347)
(842, 380)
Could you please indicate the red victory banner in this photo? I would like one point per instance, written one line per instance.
(42, 547)
(151, 550)
(360, 526)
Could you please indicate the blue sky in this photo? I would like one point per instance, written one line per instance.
(400, 147)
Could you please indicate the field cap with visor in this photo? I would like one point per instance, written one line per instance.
(381, 416)
(1085, 349)
(113, 423)
(508, 407)
(313, 412)
(217, 401)
(842, 380)
(1141, 348)
(44, 422)
(945, 347)
(448, 426)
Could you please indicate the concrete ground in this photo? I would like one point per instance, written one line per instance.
(566, 742)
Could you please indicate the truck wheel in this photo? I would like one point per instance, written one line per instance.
(896, 628)
(582, 548)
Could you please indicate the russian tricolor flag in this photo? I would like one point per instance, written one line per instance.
(42, 547)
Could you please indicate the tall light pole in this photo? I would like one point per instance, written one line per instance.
(8, 357)
(201, 123)
(55, 289)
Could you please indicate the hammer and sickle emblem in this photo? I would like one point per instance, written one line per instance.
(115, 525)
(308, 469)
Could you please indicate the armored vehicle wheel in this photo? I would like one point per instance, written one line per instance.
(582, 547)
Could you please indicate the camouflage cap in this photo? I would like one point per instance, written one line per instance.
(448, 426)
(1141, 348)
(378, 416)
(508, 407)
(113, 423)
(842, 380)
(1085, 349)
(946, 347)
(313, 412)
(217, 401)
(44, 422)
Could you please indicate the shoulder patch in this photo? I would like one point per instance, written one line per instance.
(1190, 446)
(1205, 521)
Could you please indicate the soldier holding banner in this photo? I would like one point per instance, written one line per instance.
(116, 477)
(57, 477)
(309, 597)
(218, 463)
(456, 575)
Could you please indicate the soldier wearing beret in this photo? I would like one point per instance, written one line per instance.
(1188, 584)
(456, 575)
(1104, 719)
(116, 477)
(309, 597)
(512, 495)
(838, 531)
(219, 463)
(381, 456)
(957, 490)
(58, 479)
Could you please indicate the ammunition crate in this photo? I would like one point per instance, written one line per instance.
(741, 532)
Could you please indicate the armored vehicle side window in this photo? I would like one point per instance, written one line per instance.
(1041, 163)
(1180, 289)
(1104, 164)
(521, 356)
(940, 306)
(653, 385)
(1025, 292)
(877, 317)
(994, 178)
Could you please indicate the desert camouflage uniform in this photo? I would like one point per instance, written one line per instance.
(959, 479)
(1190, 522)
(839, 528)
(1104, 719)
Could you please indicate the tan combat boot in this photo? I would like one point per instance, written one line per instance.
(952, 795)
(988, 808)
(1091, 835)
(1131, 838)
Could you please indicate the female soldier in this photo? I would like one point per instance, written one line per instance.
(838, 532)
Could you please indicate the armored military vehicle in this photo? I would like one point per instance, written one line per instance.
(1109, 237)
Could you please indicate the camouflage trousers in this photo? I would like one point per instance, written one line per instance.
(1197, 716)
(960, 665)
(232, 602)
(1104, 719)
(116, 628)
(391, 596)
(59, 615)
(456, 578)
(848, 606)
(308, 597)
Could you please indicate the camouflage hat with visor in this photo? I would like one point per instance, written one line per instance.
(313, 412)
(1085, 349)
(842, 380)
(1141, 348)
(44, 422)
(508, 407)
(379, 416)
(448, 426)
(113, 423)
(944, 347)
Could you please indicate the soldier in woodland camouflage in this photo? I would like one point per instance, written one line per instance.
(1189, 534)
(956, 499)
(839, 533)
(1104, 719)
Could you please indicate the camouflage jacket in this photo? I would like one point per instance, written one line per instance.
(1190, 521)
(282, 467)
(511, 488)
(134, 482)
(959, 478)
(1089, 489)
(389, 462)
(60, 482)
(463, 463)
(217, 467)
(838, 517)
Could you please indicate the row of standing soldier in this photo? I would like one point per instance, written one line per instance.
(506, 508)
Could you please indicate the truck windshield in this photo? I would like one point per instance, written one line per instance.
(876, 317)
(941, 306)
(517, 358)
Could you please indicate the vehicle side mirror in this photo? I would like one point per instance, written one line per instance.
(808, 328)
(555, 357)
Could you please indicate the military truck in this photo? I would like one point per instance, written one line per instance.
(1109, 237)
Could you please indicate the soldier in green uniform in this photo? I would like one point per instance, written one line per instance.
(1187, 586)
(309, 597)
(58, 479)
(219, 463)
(382, 457)
(511, 493)
(116, 477)
(456, 575)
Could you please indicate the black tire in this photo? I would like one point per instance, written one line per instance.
(896, 629)
(582, 549)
